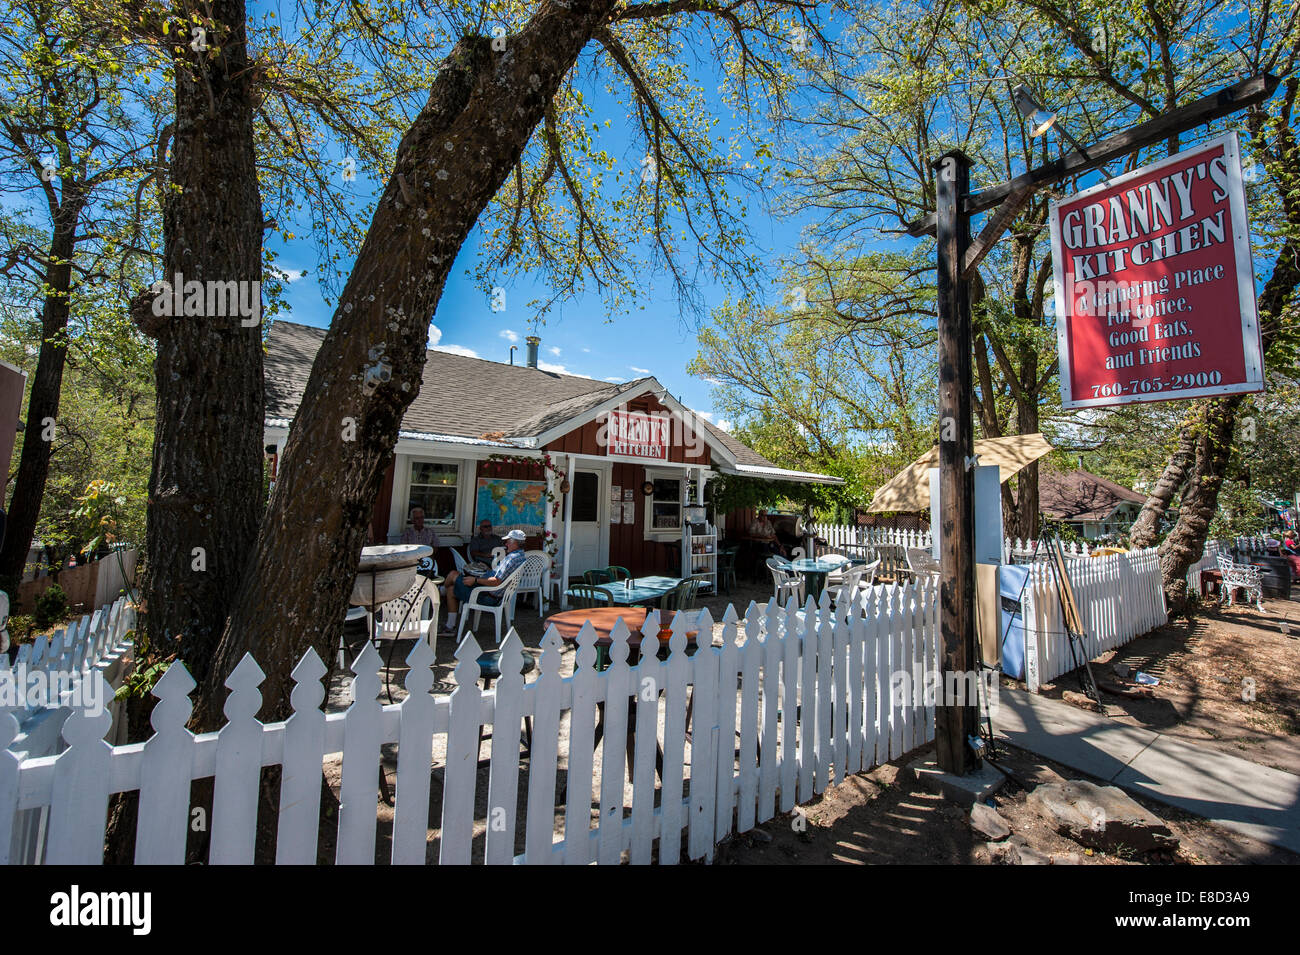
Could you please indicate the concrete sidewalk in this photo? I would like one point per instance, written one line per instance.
(1239, 795)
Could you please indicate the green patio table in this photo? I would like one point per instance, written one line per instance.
(645, 589)
(815, 572)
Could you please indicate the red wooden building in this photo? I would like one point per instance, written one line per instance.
(626, 460)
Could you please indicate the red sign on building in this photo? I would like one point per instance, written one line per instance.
(636, 435)
(1155, 289)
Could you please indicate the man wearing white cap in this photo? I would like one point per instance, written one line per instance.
(459, 587)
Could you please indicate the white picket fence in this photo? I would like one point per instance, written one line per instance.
(786, 700)
(1119, 597)
(845, 535)
(96, 647)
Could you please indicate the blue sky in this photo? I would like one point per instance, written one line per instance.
(580, 336)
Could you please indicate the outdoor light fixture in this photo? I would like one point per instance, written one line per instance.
(1041, 120)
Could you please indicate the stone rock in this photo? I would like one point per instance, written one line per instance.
(1001, 853)
(1099, 817)
(1079, 700)
(1031, 856)
(1067, 858)
(986, 820)
(1020, 852)
(758, 835)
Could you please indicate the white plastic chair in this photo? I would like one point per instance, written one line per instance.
(836, 577)
(413, 614)
(785, 582)
(505, 609)
(533, 579)
(460, 561)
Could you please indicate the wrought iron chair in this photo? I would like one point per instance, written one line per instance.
(1245, 576)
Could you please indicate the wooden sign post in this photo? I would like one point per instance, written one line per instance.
(958, 257)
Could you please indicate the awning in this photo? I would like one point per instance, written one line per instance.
(909, 489)
(779, 474)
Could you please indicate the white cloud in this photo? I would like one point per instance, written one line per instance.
(288, 275)
(706, 415)
(458, 350)
(639, 371)
(435, 335)
(615, 378)
(509, 336)
(554, 369)
(724, 425)
(587, 350)
(712, 381)
(554, 351)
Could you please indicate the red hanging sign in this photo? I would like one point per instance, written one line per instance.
(636, 435)
(1155, 288)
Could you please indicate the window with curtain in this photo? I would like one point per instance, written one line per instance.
(433, 488)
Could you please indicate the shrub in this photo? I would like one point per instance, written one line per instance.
(50, 606)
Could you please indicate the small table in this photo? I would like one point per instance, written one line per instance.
(568, 624)
(645, 589)
(815, 572)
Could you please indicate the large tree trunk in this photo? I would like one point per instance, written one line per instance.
(480, 114)
(1146, 529)
(1186, 542)
(43, 402)
(205, 489)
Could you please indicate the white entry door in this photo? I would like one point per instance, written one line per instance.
(586, 523)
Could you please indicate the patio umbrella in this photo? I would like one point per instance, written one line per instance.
(909, 489)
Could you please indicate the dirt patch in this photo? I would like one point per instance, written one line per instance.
(886, 816)
(1209, 668)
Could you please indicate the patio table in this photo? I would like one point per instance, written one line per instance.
(815, 571)
(645, 590)
(568, 624)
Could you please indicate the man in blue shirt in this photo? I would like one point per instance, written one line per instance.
(459, 587)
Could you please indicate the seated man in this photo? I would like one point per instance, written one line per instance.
(417, 533)
(764, 535)
(459, 587)
(483, 543)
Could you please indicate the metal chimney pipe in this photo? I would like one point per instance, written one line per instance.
(533, 343)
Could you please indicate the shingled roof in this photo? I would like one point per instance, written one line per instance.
(1081, 496)
(471, 397)
(516, 400)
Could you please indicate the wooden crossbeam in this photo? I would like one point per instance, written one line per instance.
(1226, 101)
(993, 229)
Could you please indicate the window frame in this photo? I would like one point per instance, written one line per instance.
(685, 482)
(449, 526)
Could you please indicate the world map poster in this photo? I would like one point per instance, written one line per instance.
(511, 504)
